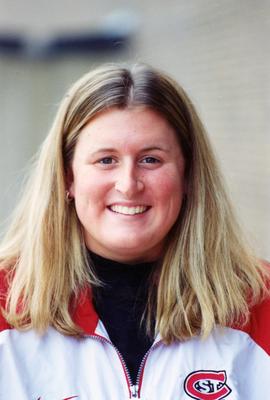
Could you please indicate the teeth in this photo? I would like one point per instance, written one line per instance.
(128, 210)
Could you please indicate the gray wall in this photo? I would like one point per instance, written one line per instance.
(218, 50)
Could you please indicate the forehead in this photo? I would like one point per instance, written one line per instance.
(128, 126)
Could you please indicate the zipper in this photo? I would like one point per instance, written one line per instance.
(141, 368)
(134, 390)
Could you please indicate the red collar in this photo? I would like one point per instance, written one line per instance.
(84, 314)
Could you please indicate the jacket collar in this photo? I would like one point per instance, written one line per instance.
(84, 315)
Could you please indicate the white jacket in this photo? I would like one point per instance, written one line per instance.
(231, 364)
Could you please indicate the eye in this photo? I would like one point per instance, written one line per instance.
(106, 160)
(150, 160)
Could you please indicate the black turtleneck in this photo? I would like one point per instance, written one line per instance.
(120, 304)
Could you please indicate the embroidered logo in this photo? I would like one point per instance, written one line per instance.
(207, 385)
(66, 398)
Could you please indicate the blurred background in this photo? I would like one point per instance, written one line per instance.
(217, 49)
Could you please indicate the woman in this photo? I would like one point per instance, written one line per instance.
(124, 273)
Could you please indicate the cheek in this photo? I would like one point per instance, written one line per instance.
(168, 196)
(169, 185)
(90, 192)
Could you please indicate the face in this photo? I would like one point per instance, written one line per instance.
(127, 181)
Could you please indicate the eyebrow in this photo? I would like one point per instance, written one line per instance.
(166, 149)
(104, 150)
(148, 148)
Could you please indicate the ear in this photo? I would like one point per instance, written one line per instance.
(70, 182)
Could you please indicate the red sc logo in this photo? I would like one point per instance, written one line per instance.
(207, 385)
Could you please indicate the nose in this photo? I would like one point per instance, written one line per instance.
(128, 182)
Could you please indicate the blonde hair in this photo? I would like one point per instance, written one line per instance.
(207, 273)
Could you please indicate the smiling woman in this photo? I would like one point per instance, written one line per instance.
(128, 195)
(124, 273)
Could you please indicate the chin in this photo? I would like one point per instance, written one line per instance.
(135, 249)
(131, 242)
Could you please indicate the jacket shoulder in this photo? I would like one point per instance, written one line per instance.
(3, 296)
(258, 326)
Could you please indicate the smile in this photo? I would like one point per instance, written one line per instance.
(128, 210)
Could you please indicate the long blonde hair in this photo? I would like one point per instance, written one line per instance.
(207, 272)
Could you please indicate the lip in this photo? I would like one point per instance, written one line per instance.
(128, 204)
(128, 209)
